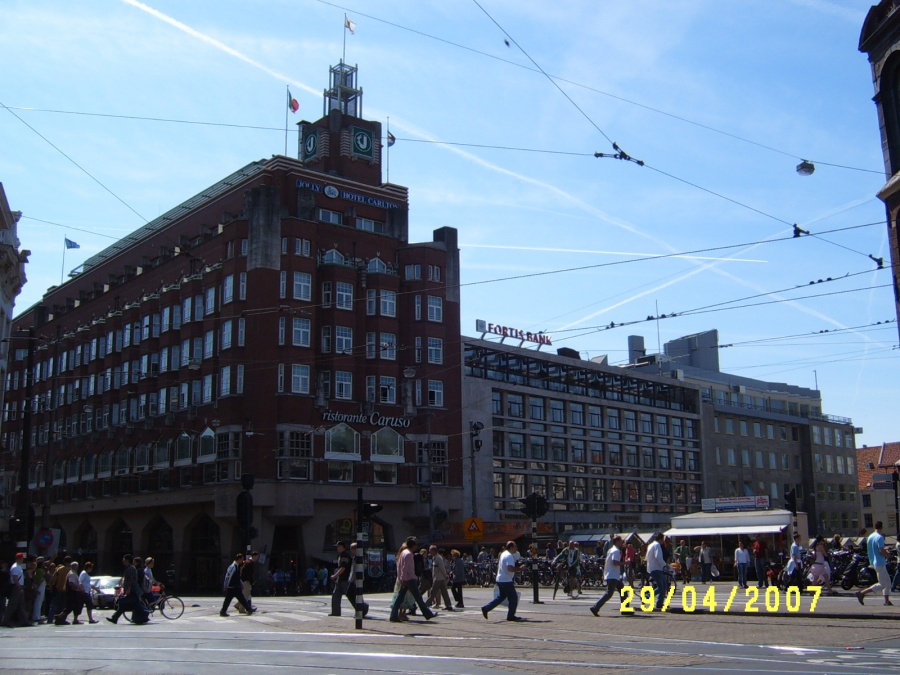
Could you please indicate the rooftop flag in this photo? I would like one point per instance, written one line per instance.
(70, 243)
(391, 139)
(349, 25)
(293, 104)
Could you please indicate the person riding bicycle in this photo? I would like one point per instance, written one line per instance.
(149, 585)
(571, 558)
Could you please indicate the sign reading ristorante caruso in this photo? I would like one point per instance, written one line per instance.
(482, 326)
(375, 419)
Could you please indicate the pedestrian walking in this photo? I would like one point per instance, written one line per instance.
(340, 578)
(704, 557)
(40, 588)
(406, 575)
(440, 580)
(74, 598)
(656, 568)
(506, 585)
(130, 597)
(84, 579)
(612, 573)
(878, 554)
(458, 569)
(760, 559)
(16, 613)
(248, 577)
(232, 586)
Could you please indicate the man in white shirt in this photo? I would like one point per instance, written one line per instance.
(16, 613)
(612, 573)
(506, 574)
(656, 568)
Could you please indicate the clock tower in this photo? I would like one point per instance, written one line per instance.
(342, 143)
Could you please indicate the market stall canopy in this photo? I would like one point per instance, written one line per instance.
(741, 522)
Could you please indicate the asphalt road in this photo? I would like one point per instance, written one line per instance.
(558, 636)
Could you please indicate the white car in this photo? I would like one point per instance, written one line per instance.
(103, 591)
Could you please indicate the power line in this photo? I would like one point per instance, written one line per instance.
(597, 91)
(85, 171)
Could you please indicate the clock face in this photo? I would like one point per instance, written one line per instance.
(363, 142)
(310, 145)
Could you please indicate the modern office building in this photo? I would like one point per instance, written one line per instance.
(880, 40)
(764, 438)
(278, 324)
(611, 449)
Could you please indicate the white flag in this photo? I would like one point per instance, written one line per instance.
(348, 24)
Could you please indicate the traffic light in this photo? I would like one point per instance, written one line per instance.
(244, 509)
(369, 510)
(535, 505)
(790, 501)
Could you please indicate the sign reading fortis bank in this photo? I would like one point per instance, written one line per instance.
(482, 326)
(334, 193)
(375, 419)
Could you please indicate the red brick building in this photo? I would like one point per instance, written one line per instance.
(277, 324)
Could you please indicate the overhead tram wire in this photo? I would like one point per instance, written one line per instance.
(616, 97)
(620, 154)
(81, 168)
(673, 315)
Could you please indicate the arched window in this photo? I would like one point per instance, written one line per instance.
(333, 257)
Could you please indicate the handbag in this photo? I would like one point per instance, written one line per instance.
(714, 571)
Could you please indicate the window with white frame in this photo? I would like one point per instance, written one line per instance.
(342, 440)
(369, 225)
(343, 340)
(435, 308)
(302, 286)
(370, 301)
(388, 303)
(210, 306)
(242, 332)
(299, 379)
(332, 217)
(327, 294)
(242, 286)
(371, 345)
(207, 447)
(343, 385)
(434, 273)
(344, 295)
(386, 446)
(412, 272)
(225, 381)
(326, 339)
(228, 289)
(301, 332)
(435, 350)
(436, 393)
(282, 284)
(389, 346)
(301, 247)
(227, 328)
(387, 390)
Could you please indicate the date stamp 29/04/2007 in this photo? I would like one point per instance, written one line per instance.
(753, 600)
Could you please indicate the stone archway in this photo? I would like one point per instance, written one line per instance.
(204, 557)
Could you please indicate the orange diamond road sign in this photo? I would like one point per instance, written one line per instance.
(474, 529)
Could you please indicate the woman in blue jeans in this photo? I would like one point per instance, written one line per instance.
(742, 560)
(704, 556)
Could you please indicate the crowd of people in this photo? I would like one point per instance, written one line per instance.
(36, 590)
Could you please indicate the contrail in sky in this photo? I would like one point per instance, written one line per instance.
(572, 199)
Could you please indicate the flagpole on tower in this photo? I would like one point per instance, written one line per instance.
(344, 52)
(287, 89)
(389, 144)
(62, 270)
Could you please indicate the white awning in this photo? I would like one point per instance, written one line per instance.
(727, 529)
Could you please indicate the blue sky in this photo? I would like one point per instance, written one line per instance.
(720, 100)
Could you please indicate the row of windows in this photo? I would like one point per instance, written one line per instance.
(831, 436)
(838, 464)
(842, 521)
(751, 402)
(836, 492)
(764, 460)
(746, 488)
(744, 429)
(584, 490)
(290, 378)
(571, 412)
(597, 453)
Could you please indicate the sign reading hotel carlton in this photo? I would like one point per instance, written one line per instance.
(482, 326)
(375, 419)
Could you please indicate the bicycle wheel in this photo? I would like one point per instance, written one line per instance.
(172, 607)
